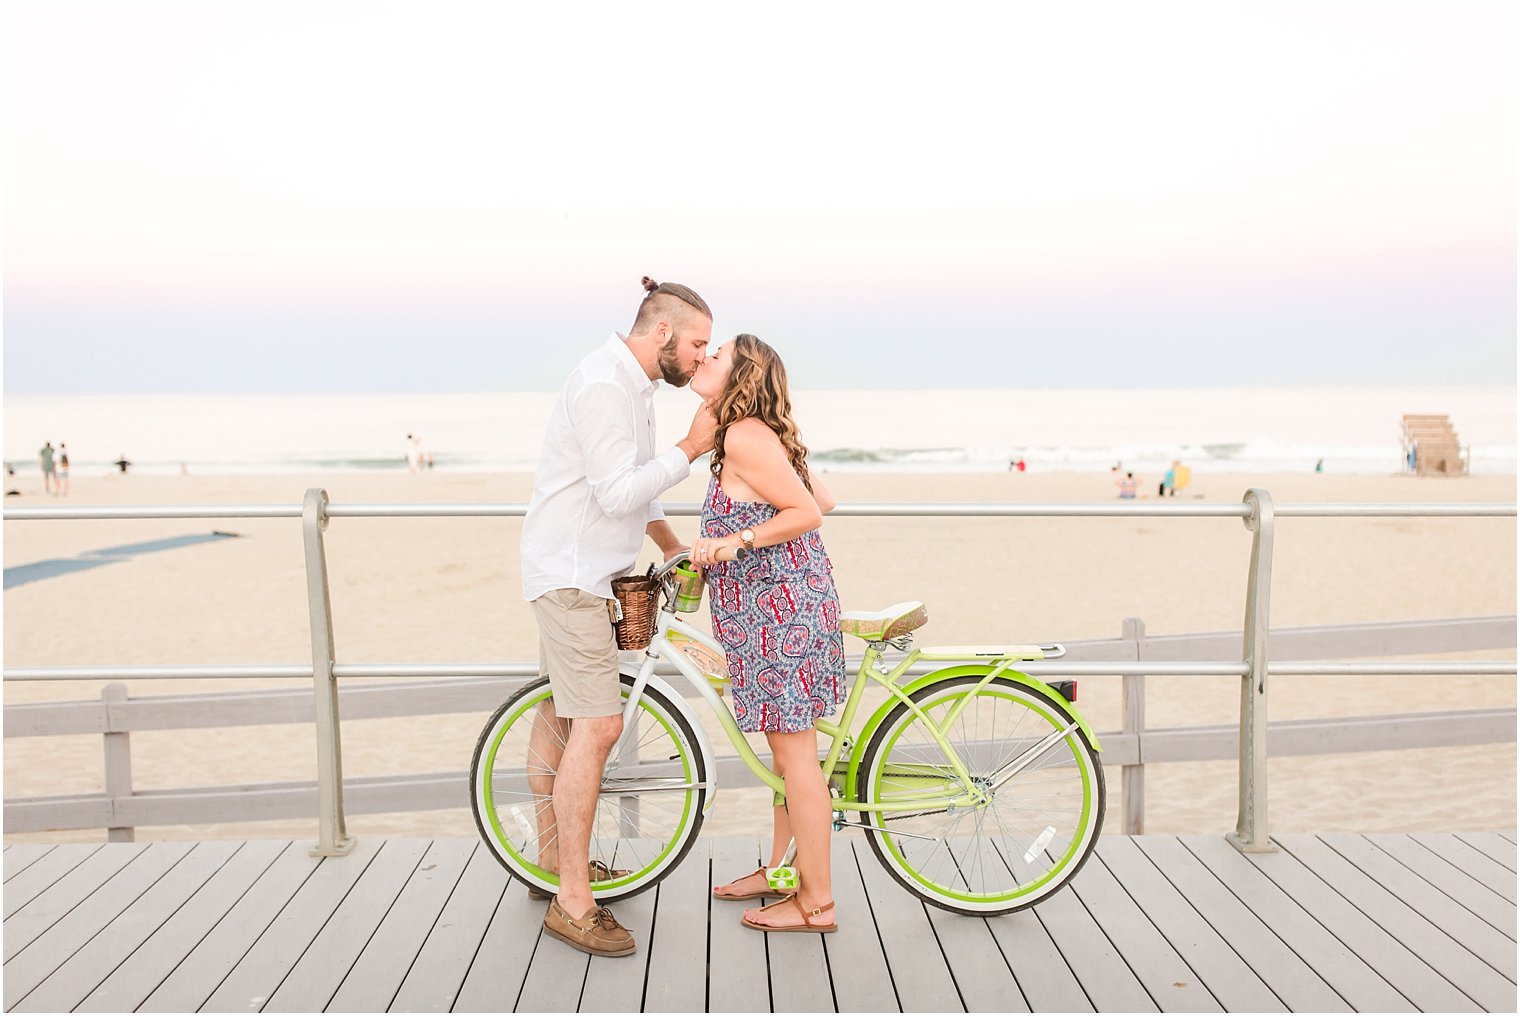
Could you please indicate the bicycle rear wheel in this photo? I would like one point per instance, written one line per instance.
(1044, 807)
(649, 811)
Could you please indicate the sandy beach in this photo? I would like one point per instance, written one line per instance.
(448, 590)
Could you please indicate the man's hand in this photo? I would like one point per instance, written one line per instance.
(699, 439)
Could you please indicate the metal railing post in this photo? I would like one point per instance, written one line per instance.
(332, 834)
(118, 749)
(1133, 703)
(1250, 833)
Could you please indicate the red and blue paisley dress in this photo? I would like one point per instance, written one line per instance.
(776, 614)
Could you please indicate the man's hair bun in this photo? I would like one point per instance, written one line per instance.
(650, 285)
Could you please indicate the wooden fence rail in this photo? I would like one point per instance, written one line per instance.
(120, 809)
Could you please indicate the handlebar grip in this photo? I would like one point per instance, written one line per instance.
(733, 554)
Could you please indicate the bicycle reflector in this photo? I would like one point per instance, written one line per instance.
(1066, 689)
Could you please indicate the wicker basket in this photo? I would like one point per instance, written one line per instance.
(638, 595)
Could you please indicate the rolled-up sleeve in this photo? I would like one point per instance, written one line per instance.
(602, 415)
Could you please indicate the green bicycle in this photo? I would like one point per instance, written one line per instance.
(978, 786)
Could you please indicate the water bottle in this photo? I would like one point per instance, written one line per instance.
(688, 587)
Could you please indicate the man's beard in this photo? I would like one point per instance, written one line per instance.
(670, 364)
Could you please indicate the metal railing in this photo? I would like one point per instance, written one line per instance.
(1257, 511)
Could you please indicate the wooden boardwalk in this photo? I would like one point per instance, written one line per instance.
(1331, 923)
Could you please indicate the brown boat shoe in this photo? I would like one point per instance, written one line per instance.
(599, 872)
(597, 933)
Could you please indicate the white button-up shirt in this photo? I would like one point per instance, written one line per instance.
(598, 478)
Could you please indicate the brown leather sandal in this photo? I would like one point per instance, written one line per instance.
(767, 891)
(806, 926)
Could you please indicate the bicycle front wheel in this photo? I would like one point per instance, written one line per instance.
(1043, 796)
(647, 815)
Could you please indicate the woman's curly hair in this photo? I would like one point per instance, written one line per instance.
(756, 386)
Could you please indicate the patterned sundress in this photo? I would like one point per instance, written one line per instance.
(776, 614)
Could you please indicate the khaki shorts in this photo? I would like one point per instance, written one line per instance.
(577, 651)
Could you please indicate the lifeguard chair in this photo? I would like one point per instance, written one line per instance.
(1431, 447)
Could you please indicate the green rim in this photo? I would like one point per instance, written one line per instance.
(530, 867)
(1078, 750)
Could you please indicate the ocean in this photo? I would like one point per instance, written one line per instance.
(1221, 430)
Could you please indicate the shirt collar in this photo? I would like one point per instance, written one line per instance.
(641, 381)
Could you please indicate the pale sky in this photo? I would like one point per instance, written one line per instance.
(428, 196)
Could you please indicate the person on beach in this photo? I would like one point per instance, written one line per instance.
(63, 469)
(49, 474)
(594, 501)
(413, 453)
(776, 613)
(122, 464)
(1129, 487)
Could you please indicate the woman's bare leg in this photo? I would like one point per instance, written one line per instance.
(811, 816)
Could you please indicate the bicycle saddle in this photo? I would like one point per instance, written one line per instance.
(880, 625)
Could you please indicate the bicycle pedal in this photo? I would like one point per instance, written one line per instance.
(784, 877)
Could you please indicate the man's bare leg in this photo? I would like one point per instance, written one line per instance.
(546, 747)
(575, 792)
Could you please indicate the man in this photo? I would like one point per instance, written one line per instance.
(49, 477)
(593, 503)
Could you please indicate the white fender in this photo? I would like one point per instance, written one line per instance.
(675, 698)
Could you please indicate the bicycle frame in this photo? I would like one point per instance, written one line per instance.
(661, 647)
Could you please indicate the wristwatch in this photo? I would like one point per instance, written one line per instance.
(747, 537)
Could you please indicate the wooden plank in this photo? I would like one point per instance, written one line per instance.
(556, 978)
(316, 977)
(1471, 860)
(981, 973)
(32, 964)
(1450, 879)
(1215, 965)
(1508, 834)
(677, 944)
(259, 971)
(613, 984)
(1166, 977)
(857, 962)
(739, 979)
(135, 979)
(37, 877)
(432, 983)
(1462, 925)
(19, 856)
(1280, 968)
(66, 811)
(1475, 979)
(799, 965)
(920, 974)
(1106, 979)
(71, 983)
(495, 978)
(1493, 845)
(1405, 970)
(25, 924)
(1044, 978)
(211, 958)
(377, 974)
(1361, 986)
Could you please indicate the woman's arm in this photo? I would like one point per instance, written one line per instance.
(821, 493)
(754, 454)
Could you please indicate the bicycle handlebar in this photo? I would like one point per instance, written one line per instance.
(726, 554)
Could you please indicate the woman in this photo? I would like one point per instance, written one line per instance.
(776, 613)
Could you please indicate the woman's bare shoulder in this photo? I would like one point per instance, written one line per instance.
(749, 435)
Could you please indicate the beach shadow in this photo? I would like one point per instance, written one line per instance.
(39, 570)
